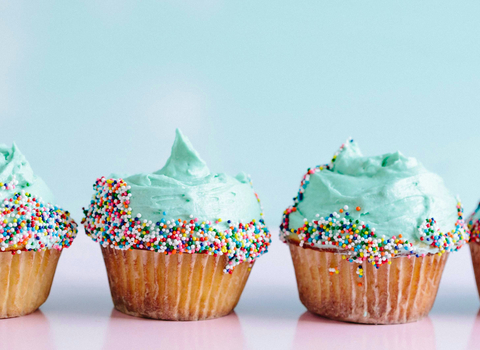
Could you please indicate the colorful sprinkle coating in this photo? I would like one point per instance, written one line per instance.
(474, 225)
(358, 241)
(109, 222)
(29, 224)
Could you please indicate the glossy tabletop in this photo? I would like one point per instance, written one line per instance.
(79, 314)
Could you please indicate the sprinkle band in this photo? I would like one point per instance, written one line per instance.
(109, 222)
(359, 242)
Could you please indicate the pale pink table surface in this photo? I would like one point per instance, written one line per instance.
(79, 314)
(101, 327)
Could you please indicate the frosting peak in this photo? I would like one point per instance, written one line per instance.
(352, 162)
(15, 168)
(184, 162)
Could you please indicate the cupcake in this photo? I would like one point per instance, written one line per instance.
(33, 233)
(474, 226)
(369, 237)
(178, 243)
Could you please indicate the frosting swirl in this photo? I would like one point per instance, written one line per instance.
(388, 202)
(185, 186)
(16, 174)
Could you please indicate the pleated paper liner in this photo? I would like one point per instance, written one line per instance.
(180, 287)
(25, 281)
(400, 292)
(475, 252)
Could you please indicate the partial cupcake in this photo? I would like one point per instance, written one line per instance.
(178, 243)
(369, 237)
(474, 225)
(33, 233)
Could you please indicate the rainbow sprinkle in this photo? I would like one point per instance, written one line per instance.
(9, 185)
(333, 270)
(29, 224)
(359, 271)
(109, 222)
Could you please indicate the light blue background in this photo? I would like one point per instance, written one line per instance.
(268, 87)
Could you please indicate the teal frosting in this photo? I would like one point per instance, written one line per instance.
(185, 188)
(395, 194)
(476, 214)
(15, 168)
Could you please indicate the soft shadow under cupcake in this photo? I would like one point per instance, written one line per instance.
(28, 332)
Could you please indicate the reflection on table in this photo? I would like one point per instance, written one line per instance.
(27, 332)
(474, 342)
(133, 332)
(316, 332)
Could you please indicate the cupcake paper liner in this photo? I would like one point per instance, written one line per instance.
(475, 252)
(180, 287)
(400, 292)
(25, 280)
